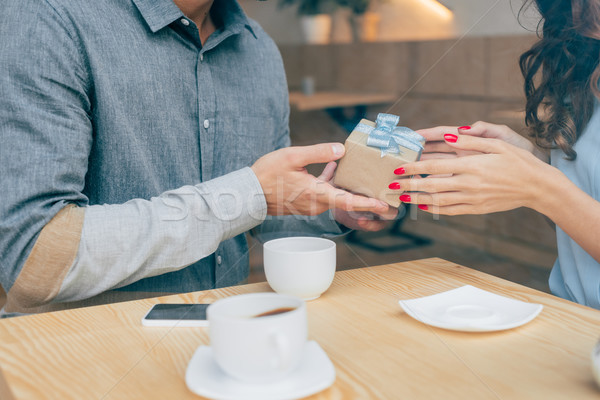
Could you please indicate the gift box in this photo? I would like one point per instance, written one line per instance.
(373, 151)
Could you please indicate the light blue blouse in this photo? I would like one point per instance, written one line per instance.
(576, 275)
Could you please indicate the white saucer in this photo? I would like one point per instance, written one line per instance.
(314, 374)
(470, 309)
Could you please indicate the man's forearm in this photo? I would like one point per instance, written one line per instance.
(120, 244)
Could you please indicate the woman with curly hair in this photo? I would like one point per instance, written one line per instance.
(485, 168)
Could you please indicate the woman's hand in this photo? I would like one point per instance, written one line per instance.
(436, 147)
(497, 176)
(500, 177)
(289, 189)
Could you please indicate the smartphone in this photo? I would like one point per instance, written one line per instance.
(176, 315)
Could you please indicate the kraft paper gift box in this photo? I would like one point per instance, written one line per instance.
(373, 151)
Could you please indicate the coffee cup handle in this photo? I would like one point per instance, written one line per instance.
(284, 354)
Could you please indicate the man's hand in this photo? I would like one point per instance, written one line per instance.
(290, 189)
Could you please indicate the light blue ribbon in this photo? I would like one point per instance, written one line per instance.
(391, 138)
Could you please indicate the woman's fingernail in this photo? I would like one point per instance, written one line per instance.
(405, 198)
(399, 171)
(450, 138)
(394, 186)
(465, 128)
(423, 207)
(338, 149)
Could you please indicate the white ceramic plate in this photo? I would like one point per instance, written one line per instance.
(470, 309)
(314, 374)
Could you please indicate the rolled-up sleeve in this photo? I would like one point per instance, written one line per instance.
(45, 128)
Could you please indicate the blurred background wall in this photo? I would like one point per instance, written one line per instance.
(406, 19)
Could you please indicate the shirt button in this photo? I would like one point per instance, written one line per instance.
(206, 124)
(185, 22)
(219, 260)
(201, 57)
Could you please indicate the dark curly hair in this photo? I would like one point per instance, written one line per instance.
(561, 72)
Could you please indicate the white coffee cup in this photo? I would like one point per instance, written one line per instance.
(253, 348)
(300, 266)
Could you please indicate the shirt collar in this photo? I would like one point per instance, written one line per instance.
(158, 13)
(161, 13)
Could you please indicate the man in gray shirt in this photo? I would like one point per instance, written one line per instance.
(129, 137)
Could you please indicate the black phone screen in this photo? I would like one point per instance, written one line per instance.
(177, 312)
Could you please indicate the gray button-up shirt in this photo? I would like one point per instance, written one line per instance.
(116, 106)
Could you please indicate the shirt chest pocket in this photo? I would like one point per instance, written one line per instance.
(243, 140)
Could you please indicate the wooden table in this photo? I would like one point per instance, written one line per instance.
(334, 99)
(378, 351)
(337, 103)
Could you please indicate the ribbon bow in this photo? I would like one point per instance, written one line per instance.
(389, 137)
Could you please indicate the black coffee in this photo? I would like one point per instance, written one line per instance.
(275, 312)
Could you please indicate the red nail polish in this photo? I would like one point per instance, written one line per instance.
(450, 138)
(405, 198)
(465, 128)
(423, 207)
(400, 171)
(394, 186)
